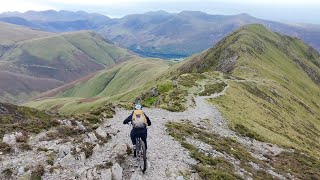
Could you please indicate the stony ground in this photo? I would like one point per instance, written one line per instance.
(166, 158)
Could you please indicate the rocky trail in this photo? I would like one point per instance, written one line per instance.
(167, 159)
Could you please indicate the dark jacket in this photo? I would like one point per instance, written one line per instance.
(129, 119)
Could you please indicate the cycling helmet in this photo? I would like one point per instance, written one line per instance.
(138, 107)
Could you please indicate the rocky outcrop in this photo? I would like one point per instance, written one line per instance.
(116, 172)
(12, 138)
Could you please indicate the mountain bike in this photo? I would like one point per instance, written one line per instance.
(141, 154)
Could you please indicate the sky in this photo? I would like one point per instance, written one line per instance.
(290, 11)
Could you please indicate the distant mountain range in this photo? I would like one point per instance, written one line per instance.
(36, 61)
(158, 34)
(56, 21)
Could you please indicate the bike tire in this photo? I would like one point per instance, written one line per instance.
(143, 163)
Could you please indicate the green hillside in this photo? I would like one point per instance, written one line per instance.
(10, 33)
(122, 82)
(55, 57)
(274, 90)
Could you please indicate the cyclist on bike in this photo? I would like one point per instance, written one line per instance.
(140, 121)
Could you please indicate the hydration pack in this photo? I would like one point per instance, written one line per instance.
(139, 120)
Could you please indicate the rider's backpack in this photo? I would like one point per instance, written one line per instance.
(139, 120)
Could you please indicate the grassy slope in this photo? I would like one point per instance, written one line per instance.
(55, 57)
(123, 82)
(277, 99)
(10, 33)
(65, 46)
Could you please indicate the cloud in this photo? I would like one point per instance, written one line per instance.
(22, 6)
(113, 2)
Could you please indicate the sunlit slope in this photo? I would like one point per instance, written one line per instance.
(122, 82)
(277, 92)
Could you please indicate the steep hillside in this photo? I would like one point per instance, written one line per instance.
(273, 85)
(122, 82)
(17, 87)
(55, 57)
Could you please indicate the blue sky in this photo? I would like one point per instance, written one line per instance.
(291, 11)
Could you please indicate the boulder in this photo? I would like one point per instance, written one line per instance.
(116, 170)
(67, 161)
(89, 174)
(101, 132)
(180, 178)
(106, 174)
(136, 176)
(92, 137)
(120, 149)
(80, 126)
(96, 148)
(25, 176)
(9, 139)
(21, 170)
(3, 110)
(64, 150)
(18, 135)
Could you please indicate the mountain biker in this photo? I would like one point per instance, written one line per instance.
(140, 121)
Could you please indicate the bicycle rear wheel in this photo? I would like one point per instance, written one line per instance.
(143, 157)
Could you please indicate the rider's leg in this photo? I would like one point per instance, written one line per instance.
(133, 140)
(133, 137)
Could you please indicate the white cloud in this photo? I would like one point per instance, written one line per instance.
(277, 2)
(22, 6)
(112, 2)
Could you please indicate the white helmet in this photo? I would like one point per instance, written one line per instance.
(138, 107)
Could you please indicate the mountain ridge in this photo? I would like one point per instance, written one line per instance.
(274, 85)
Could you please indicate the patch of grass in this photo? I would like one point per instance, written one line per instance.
(87, 148)
(22, 139)
(298, 164)
(258, 93)
(209, 167)
(7, 173)
(149, 101)
(242, 130)
(213, 88)
(189, 80)
(24, 146)
(42, 149)
(37, 172)
(106, 165)
(208, 173)
(24, 119)
(129, 150)
(5, 148)
(108, 110)
(65, 131)
(121, 158)
(50, 158)
(165, 87)
(286, 162)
